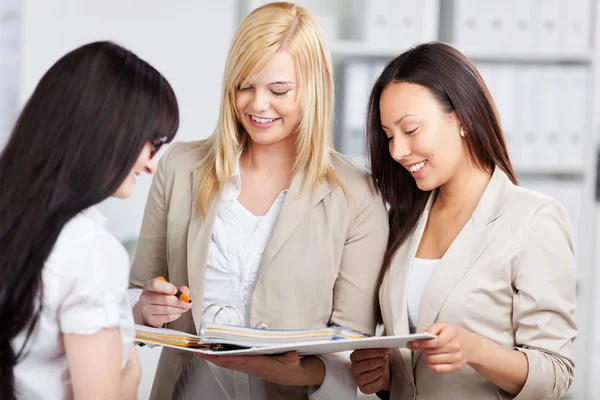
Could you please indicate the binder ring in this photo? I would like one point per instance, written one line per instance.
(221, 308)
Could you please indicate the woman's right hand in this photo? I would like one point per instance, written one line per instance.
(158, 304)
(371, 370)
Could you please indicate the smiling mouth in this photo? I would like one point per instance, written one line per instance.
(417, 167)
(262, 120)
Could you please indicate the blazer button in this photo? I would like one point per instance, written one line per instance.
(262, 326)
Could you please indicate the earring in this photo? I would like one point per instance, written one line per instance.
(462, 132)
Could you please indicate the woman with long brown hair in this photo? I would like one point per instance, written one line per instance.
(473, 258)
(93, 123)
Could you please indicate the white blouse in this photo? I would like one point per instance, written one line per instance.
(85, 282)
(237, 244)
(421, 272)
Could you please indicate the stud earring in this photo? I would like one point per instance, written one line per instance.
(462, 132)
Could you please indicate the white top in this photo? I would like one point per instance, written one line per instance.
(85, 280)
(420, 274)
(237, 244)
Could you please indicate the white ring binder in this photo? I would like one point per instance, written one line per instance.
(222, 307)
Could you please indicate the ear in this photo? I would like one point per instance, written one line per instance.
(457, 123)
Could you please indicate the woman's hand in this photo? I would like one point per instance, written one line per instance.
(450, 351)
(288, 369)
(371, 370)
(158, 303)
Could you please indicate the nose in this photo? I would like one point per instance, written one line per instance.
(260, 101)
(399, 148)
(150, 166)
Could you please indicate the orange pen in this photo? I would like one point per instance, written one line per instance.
(180, 295)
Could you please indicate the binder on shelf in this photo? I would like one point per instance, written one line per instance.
(376, 70)
(470, 26)
(578, 21)
(574, 124)
(357, 84)
(548, 25)
(551, 108)
(394, 22)
(499, 23)
(528, 117)
(501, 83)
(520, 23)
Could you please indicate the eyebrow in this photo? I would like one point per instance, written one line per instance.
(282, 83)
(399, 120)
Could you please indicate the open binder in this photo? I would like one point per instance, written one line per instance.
(236, 340)
(224, 339)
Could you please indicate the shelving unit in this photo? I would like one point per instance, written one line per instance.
(355, 49)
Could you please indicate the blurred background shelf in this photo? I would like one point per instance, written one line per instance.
(363, 50)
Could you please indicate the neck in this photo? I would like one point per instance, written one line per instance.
(463, 190)
(275, 158)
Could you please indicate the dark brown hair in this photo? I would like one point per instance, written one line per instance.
(457, 86)
(74, 143)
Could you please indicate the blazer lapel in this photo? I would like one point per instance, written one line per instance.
(199, 236)
(293, 211)
(397, 285)
(464, 251)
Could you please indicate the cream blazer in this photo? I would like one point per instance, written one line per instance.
(508, 276)
(320, 266)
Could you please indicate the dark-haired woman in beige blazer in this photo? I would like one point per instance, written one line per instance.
(476, 260)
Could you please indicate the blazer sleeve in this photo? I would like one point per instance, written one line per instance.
(150, 258)
(544, 304)
(355, 289)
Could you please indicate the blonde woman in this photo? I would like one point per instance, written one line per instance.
(265, 217)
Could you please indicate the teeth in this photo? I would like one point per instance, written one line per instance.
(262, 120)
(417, 167)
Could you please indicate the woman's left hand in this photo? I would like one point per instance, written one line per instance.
(287, 369)
(450, 351)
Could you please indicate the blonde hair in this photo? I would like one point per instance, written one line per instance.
(267, 30)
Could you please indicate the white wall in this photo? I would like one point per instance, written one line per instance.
(186, 40)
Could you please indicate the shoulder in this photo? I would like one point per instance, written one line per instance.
(183, 156)
(530, 218)
(528, 206)
(356, 180)
(84, 241)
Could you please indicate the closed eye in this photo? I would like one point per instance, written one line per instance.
(279, 94)
(411, 131)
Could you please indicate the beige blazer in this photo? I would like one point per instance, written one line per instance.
(509, 276)
(320, 266)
